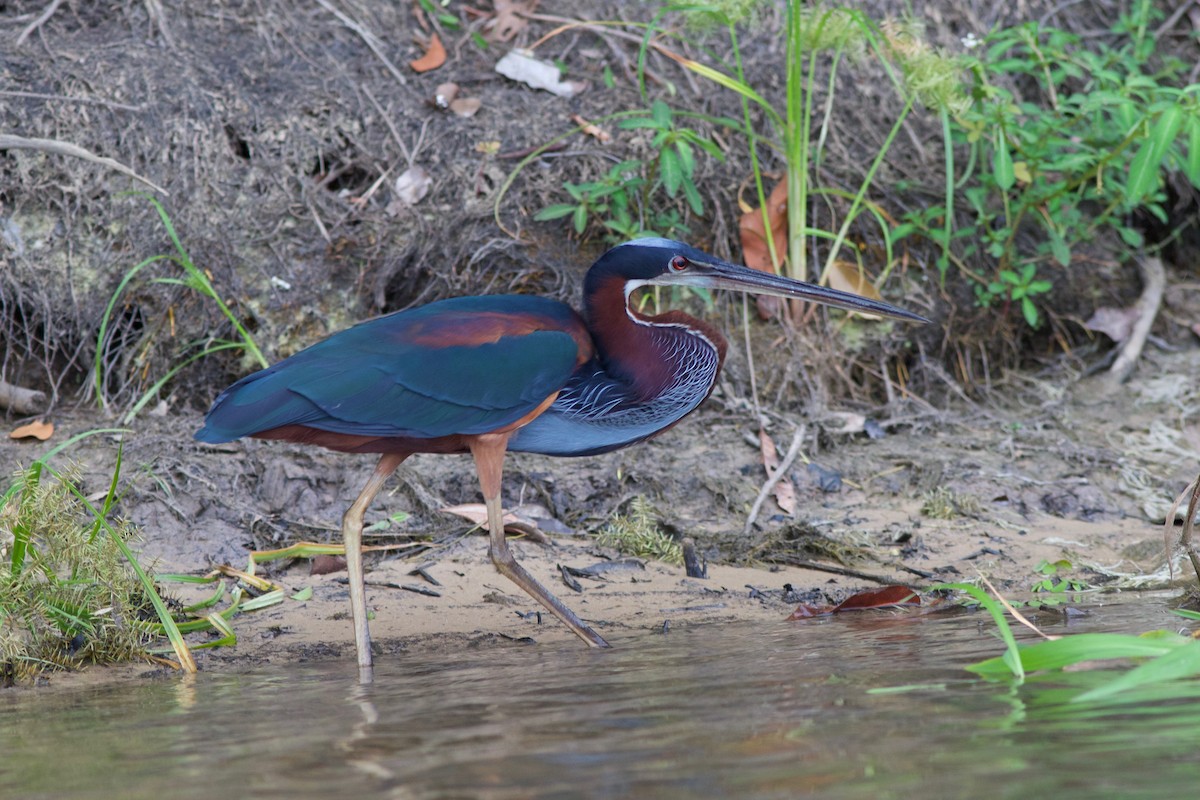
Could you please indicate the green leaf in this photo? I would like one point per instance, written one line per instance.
(661, 113)
(1131, 237)
(638, 122)
(1192, 164)
(687, 157)
(693, 196)
(1060, 249)
(557, 211)
(1144, 170)
(1002, 164)
(1182, 662)
(580, 219)
(1030, 312)
(672, 171)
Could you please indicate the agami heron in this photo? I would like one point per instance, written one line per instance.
(490, 374)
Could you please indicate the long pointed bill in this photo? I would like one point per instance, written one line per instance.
(723, 275)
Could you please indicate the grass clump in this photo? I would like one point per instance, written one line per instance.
(68, 595)
(638, 534)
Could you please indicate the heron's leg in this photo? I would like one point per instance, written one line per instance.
(488, 450)
(352, 527)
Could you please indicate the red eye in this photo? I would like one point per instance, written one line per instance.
(679, 264)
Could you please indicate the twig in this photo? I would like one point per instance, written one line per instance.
(69, 99)
(46, 14)
(775, 477)
(371, 39)
(11, 142)
(1017, 615)
(1154, 279)
(792, 561)
(1185, 536)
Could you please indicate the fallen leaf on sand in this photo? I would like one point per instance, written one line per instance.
(435, 56)
(477, 514)
(37, 429)
(323, 565)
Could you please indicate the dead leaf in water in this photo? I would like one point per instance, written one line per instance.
(38, 429)
(435, 56)
(887, 597)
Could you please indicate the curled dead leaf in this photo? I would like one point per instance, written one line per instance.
(412, 185)
(508, 23)
(592, 129)
(1115, 323)
(445, 94)
(435, 56)
(466, 106)
(520, 65)
(38, 429)
(886, 597)
(476, 513)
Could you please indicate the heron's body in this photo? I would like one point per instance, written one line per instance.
(490, 374)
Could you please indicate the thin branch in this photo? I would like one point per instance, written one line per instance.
(776, 476)
(46, 14)
(11, 142)
(371, 39)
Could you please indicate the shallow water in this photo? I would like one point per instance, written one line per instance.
(723, 712)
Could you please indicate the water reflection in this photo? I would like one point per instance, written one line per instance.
(780, 711)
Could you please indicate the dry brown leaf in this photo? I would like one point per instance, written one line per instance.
(38, 429)
(1115, 323)
(445, 94)
(592, 129)
(847, 277)
(508, 22)
(784, 491)
(325, 564)
(513, 523)
(435, 56)
(466, 106)
(755, 252)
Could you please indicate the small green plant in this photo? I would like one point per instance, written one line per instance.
(70, 588)
(1161, 656)
(637, 534)
(193, 278)
(626, 203)
(1045, 177)
(1015, 287)
(1054, 587)
(816, 36)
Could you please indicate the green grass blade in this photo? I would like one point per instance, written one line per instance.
(180, 647)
